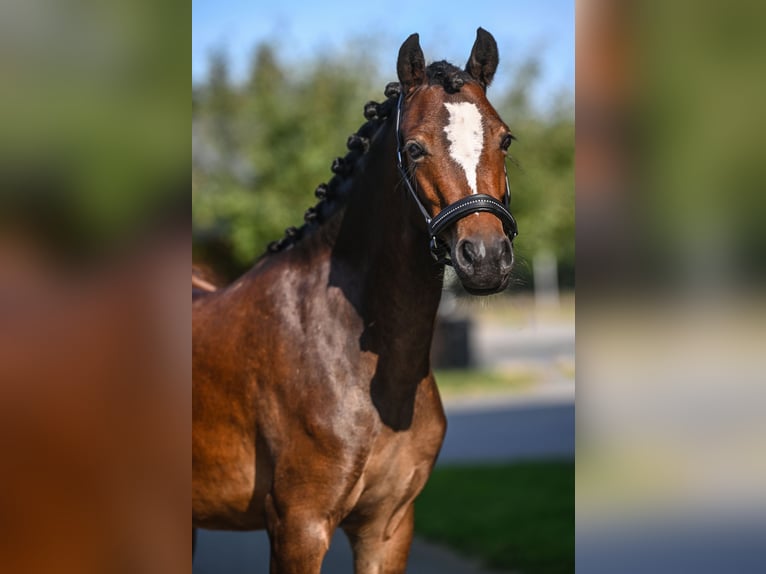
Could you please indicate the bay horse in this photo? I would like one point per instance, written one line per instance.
(314, 402)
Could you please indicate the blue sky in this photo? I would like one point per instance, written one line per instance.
(302, 28)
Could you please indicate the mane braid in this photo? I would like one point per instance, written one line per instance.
(330, 194)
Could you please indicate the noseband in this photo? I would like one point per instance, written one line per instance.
(454, 211)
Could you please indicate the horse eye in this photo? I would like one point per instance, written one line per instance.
(506, 143)
(415, 150)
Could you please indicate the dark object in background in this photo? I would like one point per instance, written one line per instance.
(451, 348)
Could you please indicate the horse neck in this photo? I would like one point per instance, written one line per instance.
(381, 257)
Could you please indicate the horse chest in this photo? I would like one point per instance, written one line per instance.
(396, 470)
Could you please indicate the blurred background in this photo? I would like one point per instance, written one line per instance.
(671, 308)
(276, 91)
(95, 402)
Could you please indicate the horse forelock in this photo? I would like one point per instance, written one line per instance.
(447, 75)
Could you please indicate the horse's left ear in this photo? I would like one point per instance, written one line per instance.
(482, 63)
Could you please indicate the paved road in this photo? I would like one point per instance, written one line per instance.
(509, 432)
(500, 429)
(670, 540)
(230, 552)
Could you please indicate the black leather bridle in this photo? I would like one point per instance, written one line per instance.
(455, 211)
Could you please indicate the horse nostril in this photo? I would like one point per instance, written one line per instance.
(505, 253)
(468, 251)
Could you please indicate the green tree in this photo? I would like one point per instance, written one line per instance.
(221, 103)
(541, 171)
(288, 131)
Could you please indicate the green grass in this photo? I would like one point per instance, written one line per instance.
(515, 517)
(461, 382)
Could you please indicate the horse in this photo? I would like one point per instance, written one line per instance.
(314, 402)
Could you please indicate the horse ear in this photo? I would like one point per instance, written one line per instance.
(411, 65)
(482, 63)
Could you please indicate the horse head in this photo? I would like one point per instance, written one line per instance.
(452, 151)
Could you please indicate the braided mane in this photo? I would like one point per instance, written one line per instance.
(331, 194)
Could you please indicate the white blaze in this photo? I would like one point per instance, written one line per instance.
(466, 136)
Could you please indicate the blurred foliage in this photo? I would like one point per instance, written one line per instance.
(261, 146)
(541, 174)
(93, 137)
(704, 171)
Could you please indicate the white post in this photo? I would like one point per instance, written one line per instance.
(545, 269)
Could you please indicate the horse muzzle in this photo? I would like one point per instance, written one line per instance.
(483, 265)
(483, 259)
